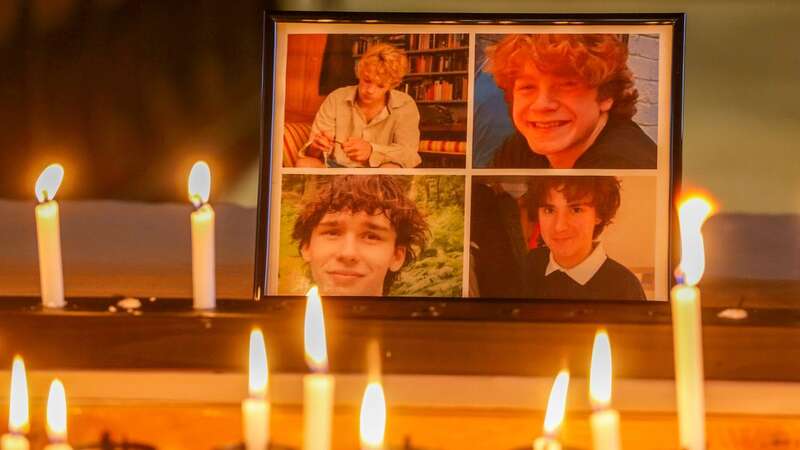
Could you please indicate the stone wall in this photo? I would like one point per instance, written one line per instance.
(643, 61)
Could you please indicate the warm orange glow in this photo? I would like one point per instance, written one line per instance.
(199, 183)
(48, 182)
(556, 404)
(259, 368)
(18, 404)
(600, 375)
(373, 361)
(315, 342)
(57, 412)
(373, 417)
(692, 213)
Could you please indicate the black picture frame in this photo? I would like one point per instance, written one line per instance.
(374, 23)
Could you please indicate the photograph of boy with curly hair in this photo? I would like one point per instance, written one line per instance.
(563, 237)
(355, 234)
(571, 98)
(370, 124)
(572, 213)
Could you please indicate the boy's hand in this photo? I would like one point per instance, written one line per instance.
(357, 149)
(322, 142)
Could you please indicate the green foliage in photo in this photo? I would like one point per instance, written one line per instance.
(438, 270)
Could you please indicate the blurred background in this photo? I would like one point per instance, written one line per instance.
(127, 94)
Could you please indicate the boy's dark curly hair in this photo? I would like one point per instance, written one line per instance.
(602, 192)
(372, 194)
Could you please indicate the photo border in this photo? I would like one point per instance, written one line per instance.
(676, 21)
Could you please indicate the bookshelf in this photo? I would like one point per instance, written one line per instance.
(438, 80)
(438, 64)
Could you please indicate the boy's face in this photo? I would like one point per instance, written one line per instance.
(350, 254)
(567, 227)
(371, 90)
(556, 114)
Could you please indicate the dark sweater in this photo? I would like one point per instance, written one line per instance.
(613, 281)
(620, 145)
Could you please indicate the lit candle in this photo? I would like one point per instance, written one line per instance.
(604, 420)
(57, 417)
(203, 284)
(373, 417)
(48, 237)
(556, 406)
(687, 326)
(318, 386)
(256, 408)
(18, 423)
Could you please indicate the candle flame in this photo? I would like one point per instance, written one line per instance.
(199, 183)
(259, 368)
(373, 416)
(57, 412)
(315, 342)
(692, 213)
(48, 182)
(600, 374)
(18, 404)
(556, 404)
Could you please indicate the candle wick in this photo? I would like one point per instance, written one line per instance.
(319, 368)
(45, 196)
(598, 407)
(197, 202)
(680, 275)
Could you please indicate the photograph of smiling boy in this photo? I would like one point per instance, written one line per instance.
(372, 235)
(571, 98)
(586, 223)
(572, 213)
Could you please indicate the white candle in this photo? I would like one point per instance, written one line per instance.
(687, 326)
(546, 443)
(318, 387)
(688, 341)
(11, 441)
(604, 420)
(203, 277)
(18, 423)
(48, 237)
(57, 417)
(554, 416)
(256, 408)
(372, 425)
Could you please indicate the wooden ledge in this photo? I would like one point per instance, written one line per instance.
(417, 337)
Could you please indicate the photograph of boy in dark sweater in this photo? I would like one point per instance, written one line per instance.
(571, 213)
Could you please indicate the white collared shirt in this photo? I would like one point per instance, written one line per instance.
(584, 271)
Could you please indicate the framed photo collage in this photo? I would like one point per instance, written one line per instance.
(452, 157)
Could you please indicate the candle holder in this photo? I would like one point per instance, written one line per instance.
(107, 443)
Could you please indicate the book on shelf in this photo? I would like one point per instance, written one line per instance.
(428, 41)
(413, 42)
(450, 62)
(439, 89)
(363, 43)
